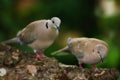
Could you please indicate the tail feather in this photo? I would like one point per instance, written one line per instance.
(65, 49)
(13, 40)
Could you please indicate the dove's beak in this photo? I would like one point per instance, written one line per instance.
(58, 28)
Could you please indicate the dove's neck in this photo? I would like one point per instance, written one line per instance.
(53, 34)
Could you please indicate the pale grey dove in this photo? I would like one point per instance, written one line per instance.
(38, 35)
(87, 50)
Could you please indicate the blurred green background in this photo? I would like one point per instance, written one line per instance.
(80, 18)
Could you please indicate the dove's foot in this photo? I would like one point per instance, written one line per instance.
(40, 56)
(80, 66)
(95, 68)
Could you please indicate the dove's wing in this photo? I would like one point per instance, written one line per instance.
(27, 35)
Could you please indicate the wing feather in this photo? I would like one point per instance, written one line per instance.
(27, 34)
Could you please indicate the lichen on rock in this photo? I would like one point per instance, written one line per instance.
(18, 65)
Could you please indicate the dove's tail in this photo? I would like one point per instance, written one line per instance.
(65, 49)
(13, 40)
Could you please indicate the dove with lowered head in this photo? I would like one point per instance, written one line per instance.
(86, 50)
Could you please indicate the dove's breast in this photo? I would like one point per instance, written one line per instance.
(44, 37)
(39, 44)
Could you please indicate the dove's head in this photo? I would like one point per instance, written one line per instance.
(56, 21)
(101, 50)
(69, 41)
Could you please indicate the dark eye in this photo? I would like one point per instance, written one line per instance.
(53, 21)
(98, 52)
(47, 25)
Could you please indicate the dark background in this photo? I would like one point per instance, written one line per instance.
(80, 18)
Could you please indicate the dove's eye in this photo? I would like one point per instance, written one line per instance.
(98, 52)
(53, 21)
(46, 25)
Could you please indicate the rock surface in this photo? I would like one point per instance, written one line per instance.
(18, 65)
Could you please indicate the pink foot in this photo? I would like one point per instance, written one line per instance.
(80, 65)
(95, 68)
(40, 56)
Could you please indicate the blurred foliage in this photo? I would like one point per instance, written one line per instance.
(78, 19)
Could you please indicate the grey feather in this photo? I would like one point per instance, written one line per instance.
(80, 55)
(13, 40)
